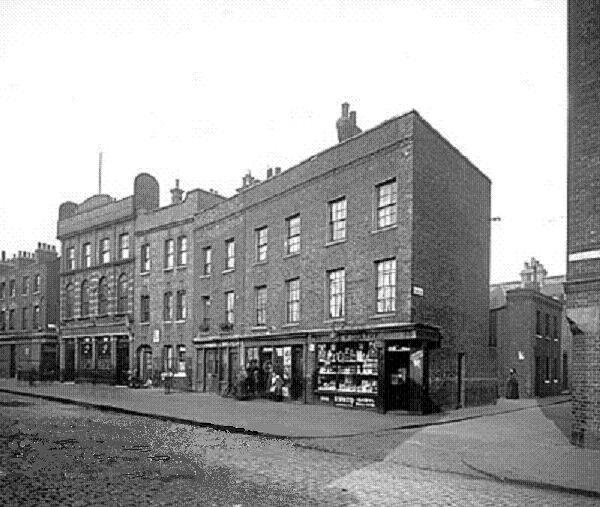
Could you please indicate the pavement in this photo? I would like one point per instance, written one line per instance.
(521, 442)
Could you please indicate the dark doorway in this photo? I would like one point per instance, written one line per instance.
(565, 371)
(13, 361)
(145, 363)
(122, 372)
(460, 392)
(223, 369)
(49, 361)
(297, 385)
(234, 365)
(397, 380)
(538, 377)
(212, 371)
(69, 372)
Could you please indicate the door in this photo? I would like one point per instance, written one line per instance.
(145, 364)
(212, 371)
(565, 371)
(69, 373)
(538, 377)
(398, 377)
(122, 360)
(13, 361)
(460, 394)
(234, 364)
(49, 361)
(223, 369)
(297, 387)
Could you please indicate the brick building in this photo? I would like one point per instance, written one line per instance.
(360, 276)
(583, 216)
(164, 275)
(29, 314)
(535, 277)
(97, 282)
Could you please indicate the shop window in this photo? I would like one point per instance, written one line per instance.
(547, 322)
(69, 301)
(230, 254)
(386, 286)
(2, 290)
(124, 246)
(168, 358)
(349, 372)
(386, 203)
(85, 299)
(36, 284)
(86, 255)
(102, 296)
(103, 353)
(555, 327)
(169, 254)
(261, 306)
(207, 261)
(25, 287)
(262, 236)
(105, 251)
(182, 250)
(122, 294)
(293, 300)
(292, 241)
(181, 305)
(145, 258)
(337, 293)
(168, 306)
(251, 354)
(70, 258)
(86, 358)
(145, 308)
(337, 219)
(181, 358)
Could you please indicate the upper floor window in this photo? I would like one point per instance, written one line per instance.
(2, 290)
(69, 301)
(293, 300)
(124, 246)
(25, 287)
(11, 319)
(229, 307)
(86, 255)
(261, 306)
(547, 321)
(207, 261)
(230, 254)
(292, 242)
(85, 298)
(555, 327)
(181, 306)
(36, 317)
(337, 293)
(387, 195)
(12, 288)
(2, 320)
(122, 294)
(169, 253)
(538, 323)
(145, 258)
(145, 308)
(36, 283)
(386, 286)
(182, 250)
(70, 258)
(181, 358)
(102, 296)
(168, 306)
(337, 219)
(493, 338)
(24, 318)
(205, 309)
(261, 243)
(105, 251)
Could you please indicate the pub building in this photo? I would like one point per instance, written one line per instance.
(359, 277)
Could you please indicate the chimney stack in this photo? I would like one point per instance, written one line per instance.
(176, 193)
(277, 171)
(3, 256)
(269, 172)
(346, 124)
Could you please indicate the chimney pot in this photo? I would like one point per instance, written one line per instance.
(277, 170)
(345, 107)
(39, 245)
(353, 118)
(269, 172)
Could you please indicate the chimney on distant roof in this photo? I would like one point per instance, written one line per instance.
(269, 172)
(346, 124)
(176, 193)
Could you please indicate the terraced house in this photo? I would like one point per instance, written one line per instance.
(359, 276)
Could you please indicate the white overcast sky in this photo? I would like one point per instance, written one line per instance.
(205, 91)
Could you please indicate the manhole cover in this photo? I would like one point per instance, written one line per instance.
(15, 404)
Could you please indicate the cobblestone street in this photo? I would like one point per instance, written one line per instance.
(55, 454)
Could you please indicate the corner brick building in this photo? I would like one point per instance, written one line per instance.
(583, 217)
(29, 314)
(96, 283)
(359, 276)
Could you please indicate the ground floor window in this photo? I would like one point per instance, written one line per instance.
(181, 358)
(103, 353)
(86, 358)
(168, 358)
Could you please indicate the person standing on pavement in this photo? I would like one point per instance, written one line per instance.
(512, 385)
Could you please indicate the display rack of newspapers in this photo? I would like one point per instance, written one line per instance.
(347, 374)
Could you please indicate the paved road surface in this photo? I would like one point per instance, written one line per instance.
(54, 454)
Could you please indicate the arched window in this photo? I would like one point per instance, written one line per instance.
(122, 289)
(102, 296)
(69, 300)
(85, 298)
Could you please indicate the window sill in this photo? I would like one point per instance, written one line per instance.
(333, 320)
(167, 322)
(145, 323)
(204, 276)
(290, 324)
(288, 255)
(180, 321)
(182, 267)
(166, 270)
(386, 228)
(335, 242)
(383, 315)
(546, 381)
(228, 270)
(145, 273)
(260, 263)
(259, 328)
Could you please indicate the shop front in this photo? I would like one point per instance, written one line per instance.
(217, 364)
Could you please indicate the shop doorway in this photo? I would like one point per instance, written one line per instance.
(144, 363)
(397, 379)
(122, 365)
(49, 361)
(13, 361)
(234, 365)
(69, 372)
(212, 371)
(297, 384)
